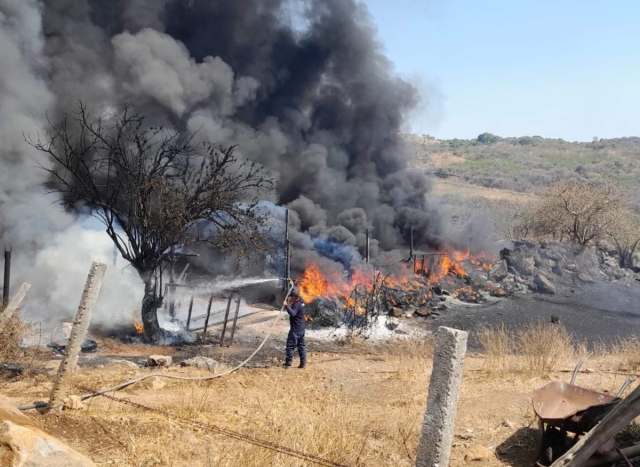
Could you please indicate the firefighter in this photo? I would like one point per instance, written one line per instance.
(295, 307)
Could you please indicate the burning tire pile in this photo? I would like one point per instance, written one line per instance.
(410, 288)
(422, 288)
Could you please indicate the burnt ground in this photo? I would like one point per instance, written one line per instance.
(595, 313)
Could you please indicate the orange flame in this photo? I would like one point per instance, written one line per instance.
(316, 283)
(139, 328)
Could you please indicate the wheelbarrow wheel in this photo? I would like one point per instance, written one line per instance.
(546, 457)
(552, 447)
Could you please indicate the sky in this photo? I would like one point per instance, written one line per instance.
(555, 68)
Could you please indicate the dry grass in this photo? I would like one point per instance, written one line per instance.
(363, 411)
(537, 347)
(544, 345)
(360, 405)
(498, 345)
(629, 350)
(10, 340)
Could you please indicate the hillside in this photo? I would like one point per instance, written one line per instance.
(528, 164)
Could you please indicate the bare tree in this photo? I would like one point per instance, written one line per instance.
(580, 212)
(625, 237)
(154, 189)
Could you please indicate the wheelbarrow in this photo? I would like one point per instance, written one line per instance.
(565, 408)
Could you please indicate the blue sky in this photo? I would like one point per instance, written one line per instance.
(556, 68)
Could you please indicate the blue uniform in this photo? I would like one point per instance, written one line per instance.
(295, 339)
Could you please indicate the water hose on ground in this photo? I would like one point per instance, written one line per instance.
(41, 405)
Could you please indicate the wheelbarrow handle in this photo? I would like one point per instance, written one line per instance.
(575, 372)
(625, 386)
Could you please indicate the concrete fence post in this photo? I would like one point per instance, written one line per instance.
(12, 308)
(78, 332)
(436, 438)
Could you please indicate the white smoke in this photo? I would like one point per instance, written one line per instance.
(61, 268)
(51, 249)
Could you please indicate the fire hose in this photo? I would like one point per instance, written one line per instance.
(41, 405)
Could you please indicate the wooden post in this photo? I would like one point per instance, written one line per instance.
(621, 415)
(235, 319)
(206, 321)
(172, 287)
(13, 305)
(7, 276)
(411, 243)
(226, 317)
(189, 315)
(78, 332)
(366, 247)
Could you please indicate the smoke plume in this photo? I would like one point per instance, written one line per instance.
(301, 87)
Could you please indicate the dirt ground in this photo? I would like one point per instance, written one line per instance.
(356, 404)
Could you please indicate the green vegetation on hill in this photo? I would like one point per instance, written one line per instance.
(530, 163)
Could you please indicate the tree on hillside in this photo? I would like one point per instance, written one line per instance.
(625, 237)
(155, 189)
(488, 138)
(581, 212)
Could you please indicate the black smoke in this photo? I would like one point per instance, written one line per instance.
(301, 86)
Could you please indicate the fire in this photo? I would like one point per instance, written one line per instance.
(450, 266)
(442, 267)
(316, 283)
(139, 328)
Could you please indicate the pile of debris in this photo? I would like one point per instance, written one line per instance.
(423, 293)
(426, 291)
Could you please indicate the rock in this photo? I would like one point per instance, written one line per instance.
(570, 266)
(479, 453)
(423, 312)
(72, 403)
(468, 434)
(526, 265)
(24, 444)
(396, 312)
(159, 360)
(202, 363)
(557, 270)
(611, 262)
(120, 363)
(588, 262)
(499, 271)
(542, 262)
(544, 285)
(586, 278)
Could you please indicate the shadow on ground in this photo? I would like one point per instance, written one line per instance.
(521, 448)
